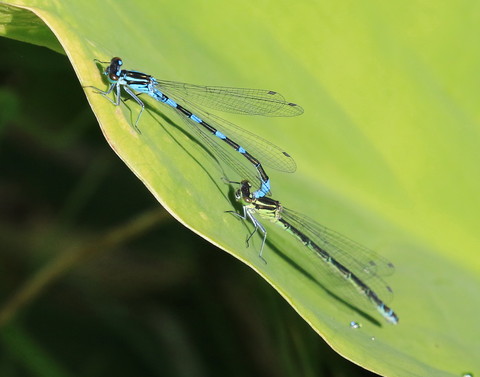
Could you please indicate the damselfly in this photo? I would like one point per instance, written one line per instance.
(338, 254)
(186, 99)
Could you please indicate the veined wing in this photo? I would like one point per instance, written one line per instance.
(223, 153)
(218, 149)
(233, 100)
(266, 152)
(361, 261)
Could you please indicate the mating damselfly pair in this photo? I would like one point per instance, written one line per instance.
(337, 254)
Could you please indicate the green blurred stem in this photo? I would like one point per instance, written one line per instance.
(76, 255)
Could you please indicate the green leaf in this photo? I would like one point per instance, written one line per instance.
(387, 149)
(23, 25)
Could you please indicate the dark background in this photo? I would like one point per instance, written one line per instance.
(158, 302)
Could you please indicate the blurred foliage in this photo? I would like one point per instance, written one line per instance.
(164, 304)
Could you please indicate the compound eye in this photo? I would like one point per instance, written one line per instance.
(116, 62)
(113, 77)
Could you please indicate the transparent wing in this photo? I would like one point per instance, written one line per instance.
(367, 265)
(219, 150)
(266, 152)
(232, 100)
(223, 153)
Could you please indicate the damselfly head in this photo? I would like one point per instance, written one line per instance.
(244, 193)
(113, 77)
(114, 69)
(238, 195)
(116, 60)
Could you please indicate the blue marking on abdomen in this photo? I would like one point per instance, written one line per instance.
(195, 118)
(220, 135)
(171, 102)
(157, 94)
(241, 150)
(264, 190)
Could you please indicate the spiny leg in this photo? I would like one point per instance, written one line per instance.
(258, 226)
(139, 101)
(105, 93)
